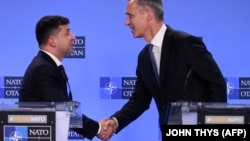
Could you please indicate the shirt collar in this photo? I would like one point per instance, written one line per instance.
(158, 38)
(57, 61)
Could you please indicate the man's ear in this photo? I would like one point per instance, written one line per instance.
(52, 41)
(149, 13)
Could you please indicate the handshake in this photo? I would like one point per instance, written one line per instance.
(108, 128)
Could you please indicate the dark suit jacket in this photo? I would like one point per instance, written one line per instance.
(42, 82)
(181, 52)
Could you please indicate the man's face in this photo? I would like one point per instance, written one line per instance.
(65, 40)
(136, 19)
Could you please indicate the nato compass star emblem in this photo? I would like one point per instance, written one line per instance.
(230, 88)
(110, 88)
(15, 136)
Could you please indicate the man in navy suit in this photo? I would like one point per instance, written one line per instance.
(43, 80)
(173, 66)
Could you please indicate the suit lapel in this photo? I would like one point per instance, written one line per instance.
(166, 50)
(59, 75)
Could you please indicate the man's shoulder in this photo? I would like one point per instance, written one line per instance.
(178, 33)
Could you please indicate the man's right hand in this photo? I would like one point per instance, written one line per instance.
(108, 128)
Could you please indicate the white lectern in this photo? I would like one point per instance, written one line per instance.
(48, 121)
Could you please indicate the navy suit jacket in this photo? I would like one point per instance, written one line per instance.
(181, 52)
(43, 82)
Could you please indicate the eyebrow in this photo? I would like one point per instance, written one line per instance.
(68, 29)
(129, 14)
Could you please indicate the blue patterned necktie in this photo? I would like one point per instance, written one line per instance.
(152, 58)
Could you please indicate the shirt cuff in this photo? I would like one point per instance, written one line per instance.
(116, 121)
(99, 130)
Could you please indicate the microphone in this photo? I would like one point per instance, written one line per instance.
(182, 102)
(184, 94)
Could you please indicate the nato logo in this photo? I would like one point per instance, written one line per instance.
(244, 87)
(116, 87)
(10, 86)
(238, 88)
(27, 133)
(15, 133)
(110, 88)
(78, 49)
(232, 90)
(1, 87)
(74, 135)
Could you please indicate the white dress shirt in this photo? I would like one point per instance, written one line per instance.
(157, 45)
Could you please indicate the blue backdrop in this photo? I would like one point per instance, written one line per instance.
(107, 53)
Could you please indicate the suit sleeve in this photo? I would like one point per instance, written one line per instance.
(135, 106)
(90, 128)
(206, 68)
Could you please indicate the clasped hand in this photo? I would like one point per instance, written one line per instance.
(108, 128)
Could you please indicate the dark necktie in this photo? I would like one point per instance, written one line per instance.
(152, 58)
(62, 70)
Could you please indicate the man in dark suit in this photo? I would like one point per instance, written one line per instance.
(180, 67)
(43, 80)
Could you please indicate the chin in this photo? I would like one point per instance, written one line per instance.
(136, 36)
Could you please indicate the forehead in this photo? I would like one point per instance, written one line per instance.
(132, 6)
(64, 28)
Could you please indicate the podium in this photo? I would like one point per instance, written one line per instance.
(199, 113)
(47, 121)
(212, 121)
